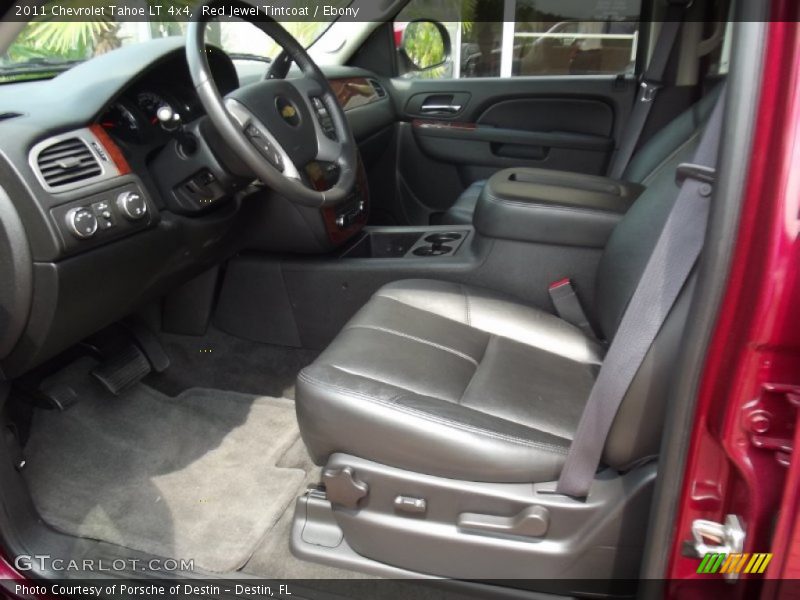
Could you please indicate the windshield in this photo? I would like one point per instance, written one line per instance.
(46, 47)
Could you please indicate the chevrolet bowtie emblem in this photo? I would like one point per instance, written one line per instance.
(288, 111)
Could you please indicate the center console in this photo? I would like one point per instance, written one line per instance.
(531, 228)
(341, 222)
(408, 243)
(552, 207)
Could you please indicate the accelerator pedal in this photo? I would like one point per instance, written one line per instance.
(121, 370)
(149, 344)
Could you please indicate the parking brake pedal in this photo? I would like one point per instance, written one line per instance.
(59, 395)
(123, 369)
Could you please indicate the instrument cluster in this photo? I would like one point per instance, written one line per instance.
(137, 116)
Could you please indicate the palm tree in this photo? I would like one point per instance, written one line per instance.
(52, 37)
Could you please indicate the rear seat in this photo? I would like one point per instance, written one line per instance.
(643, 165)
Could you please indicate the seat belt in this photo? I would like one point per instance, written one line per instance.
(651, 83)
(568, 305)
(664, 276)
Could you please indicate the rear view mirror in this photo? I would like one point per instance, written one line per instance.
(425, 45)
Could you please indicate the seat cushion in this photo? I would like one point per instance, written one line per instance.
(450, 380)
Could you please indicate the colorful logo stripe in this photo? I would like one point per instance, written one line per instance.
(722, 562)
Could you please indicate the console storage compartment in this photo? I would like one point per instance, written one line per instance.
(402, 242)
(552, 207)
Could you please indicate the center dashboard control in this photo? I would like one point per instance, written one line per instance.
(81, 222)
(350, 214)
(103, 216)
(132, 205)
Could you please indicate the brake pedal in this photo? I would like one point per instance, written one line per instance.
(123, 369)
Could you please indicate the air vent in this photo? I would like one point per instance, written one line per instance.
(67, 162)
(378, 88)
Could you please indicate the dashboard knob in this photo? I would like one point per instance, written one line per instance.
(81, 222)
(132, 205)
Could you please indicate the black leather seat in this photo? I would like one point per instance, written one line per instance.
(458, 381)
(643, 165)
(450, 380)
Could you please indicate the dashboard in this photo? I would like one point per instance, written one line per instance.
(100, 211)
(133, 118)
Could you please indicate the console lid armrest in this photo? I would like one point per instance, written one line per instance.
(553, 207)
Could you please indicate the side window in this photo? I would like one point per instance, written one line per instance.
(507, 38)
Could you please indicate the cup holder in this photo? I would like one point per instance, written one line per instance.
(443, 238)
(434, 250)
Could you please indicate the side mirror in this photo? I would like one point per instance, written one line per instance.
(425, 45)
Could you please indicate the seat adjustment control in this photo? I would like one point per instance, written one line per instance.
(343, 488)
(411, 505)
(132, 205)
(533, 521)
(81, 222)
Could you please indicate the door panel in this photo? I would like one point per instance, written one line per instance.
(512, 146)
(458, 131)
(569, 115)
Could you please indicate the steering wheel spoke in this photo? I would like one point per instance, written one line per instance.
(261, 138)
(328, 149)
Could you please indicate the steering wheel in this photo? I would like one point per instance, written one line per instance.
(272, 125)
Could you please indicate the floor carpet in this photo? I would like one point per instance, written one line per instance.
(273, 559)
(195, 476)
(221, 361)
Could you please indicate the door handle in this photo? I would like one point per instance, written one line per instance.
(450, 109)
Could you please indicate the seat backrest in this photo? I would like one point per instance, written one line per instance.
(634, 238)
(637, 428)
(647, 160)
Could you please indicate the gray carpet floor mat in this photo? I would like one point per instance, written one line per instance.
(273, 559)
(220, 361)
(198, 476)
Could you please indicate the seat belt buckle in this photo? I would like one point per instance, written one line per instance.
(648, 90)
(699, 173)
(568, 305)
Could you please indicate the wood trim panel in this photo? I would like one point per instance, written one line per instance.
(114, 152)
(436, 124)
(353, 92)
(337, 235)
